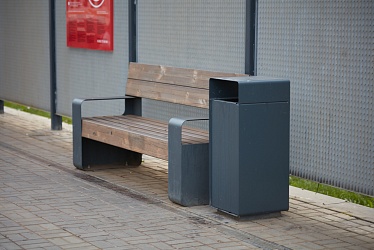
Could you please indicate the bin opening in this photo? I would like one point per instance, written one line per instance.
(230, 100)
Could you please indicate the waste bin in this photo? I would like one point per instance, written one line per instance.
(249, 144)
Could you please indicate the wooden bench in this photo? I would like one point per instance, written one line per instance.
(123, 139)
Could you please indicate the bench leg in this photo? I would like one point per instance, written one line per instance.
(188, 175)
(88, 152)
(96, 153)
(188, 169)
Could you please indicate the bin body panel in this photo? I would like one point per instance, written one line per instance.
(224, 138)
(250, 157)
(264, 158)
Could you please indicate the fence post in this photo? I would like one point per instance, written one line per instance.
(56, 120)
(250, 36)
(132, 30)
(1, 107)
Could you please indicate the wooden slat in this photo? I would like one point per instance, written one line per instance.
(136, 133)
(158, 128)
(199, 133)
(150, 127)
(125, 139)
(175, 76)
(168, 93)
(163, 74)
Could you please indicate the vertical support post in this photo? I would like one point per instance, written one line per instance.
(1, 107)
(132, 30)
(56, 120)
(250, 37)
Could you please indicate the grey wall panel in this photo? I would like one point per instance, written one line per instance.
(191, 33)
(326, 49)
(197, 34)
(24, 52)
(91, 73)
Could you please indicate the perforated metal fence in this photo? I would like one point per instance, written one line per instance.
(326, 49)
(24, 52)
(208, 35)
(90, 73)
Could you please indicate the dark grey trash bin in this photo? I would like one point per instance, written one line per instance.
(249, 144)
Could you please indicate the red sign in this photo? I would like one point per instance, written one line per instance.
(89, 24)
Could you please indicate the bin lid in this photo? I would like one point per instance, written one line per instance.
(250, 89)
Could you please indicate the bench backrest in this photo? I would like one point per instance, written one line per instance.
(169, 84)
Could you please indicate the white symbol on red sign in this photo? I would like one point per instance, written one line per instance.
(96, 3)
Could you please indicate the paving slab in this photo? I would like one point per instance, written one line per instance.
(45, 203)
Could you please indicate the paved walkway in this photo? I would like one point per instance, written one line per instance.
(45, 203)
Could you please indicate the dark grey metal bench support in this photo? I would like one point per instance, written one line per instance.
(87, 152)
(188, 173)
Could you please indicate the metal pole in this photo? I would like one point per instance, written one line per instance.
(1, 107)
(250, 37)
(56, 120)
(132, 31)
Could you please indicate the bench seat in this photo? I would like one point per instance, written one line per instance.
(138, 134)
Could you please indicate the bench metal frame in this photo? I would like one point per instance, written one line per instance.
(88, 152)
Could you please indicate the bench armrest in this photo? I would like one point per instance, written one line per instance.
(132, 106)
(175, 128)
